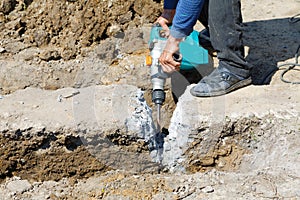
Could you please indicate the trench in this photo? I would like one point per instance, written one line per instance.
(46, 155)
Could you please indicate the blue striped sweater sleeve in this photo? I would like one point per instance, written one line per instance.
(170, 4)
(187, 13)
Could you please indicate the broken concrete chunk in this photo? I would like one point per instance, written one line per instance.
(201, 127)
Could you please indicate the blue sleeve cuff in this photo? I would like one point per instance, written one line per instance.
(177, 33)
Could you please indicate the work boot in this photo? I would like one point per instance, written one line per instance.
(221, 81)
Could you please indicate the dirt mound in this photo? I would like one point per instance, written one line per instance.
(69, 25)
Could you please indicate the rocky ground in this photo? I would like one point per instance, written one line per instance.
(75, 115)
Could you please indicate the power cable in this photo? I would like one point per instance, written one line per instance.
(291, 66)
(295, 18)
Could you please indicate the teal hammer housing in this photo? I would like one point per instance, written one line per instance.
(193, 55)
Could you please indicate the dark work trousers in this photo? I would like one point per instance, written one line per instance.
(223, 19)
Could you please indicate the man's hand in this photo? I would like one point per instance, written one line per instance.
(165, 19)
(166, 59)
(164, 24)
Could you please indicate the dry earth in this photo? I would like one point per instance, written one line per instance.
(52, 48)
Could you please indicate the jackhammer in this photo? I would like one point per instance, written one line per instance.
(157, 44)
(191, 55)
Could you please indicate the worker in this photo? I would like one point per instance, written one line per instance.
(223, 22)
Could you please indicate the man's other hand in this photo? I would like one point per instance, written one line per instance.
(166, 59)
(165, 19)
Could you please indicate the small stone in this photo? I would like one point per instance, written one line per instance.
(221, 164)
(2, 50)
(208, 189)
(253, 188)
(207, 161)
(222, 152)
(41, 37)
(18, 186)
(113, 30)
(49, 55)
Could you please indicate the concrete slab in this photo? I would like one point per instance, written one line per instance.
(200, 126)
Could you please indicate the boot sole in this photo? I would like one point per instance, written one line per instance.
(235, 86)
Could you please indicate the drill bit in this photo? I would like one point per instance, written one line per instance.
(158, 118)
(159, 138)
